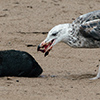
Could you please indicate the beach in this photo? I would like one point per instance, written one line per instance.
(24, 24)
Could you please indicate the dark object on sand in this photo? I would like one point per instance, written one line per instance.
(18, 63)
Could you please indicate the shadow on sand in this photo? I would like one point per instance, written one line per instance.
(70, 77)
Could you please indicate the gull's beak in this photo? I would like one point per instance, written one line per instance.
(41, 46)
(45, 47)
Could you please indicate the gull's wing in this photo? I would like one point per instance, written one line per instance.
(91, 29)
(87, 17)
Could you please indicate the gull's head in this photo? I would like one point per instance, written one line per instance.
(55, 35)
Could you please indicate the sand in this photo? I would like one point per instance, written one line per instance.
(66, 70)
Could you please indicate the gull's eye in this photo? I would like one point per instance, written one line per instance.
(54, 34)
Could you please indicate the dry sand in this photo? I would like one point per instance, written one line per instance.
(66, 70)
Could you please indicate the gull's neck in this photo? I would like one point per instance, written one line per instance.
(69, 37)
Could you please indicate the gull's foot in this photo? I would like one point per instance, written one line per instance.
(98, 75)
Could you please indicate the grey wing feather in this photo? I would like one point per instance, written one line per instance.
(91, 29)
(87, 17)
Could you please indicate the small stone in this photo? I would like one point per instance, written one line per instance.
(29, 7)
(8, 78)
(5, 10)
(97, 93)
(30, 45)
(17, 80)
(71, 86)
(73, 18)
(16, 3)
(97, 66)
(53, 76)
(4, 15)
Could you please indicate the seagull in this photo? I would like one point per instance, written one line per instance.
(84, 32)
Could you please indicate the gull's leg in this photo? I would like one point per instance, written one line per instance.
(98, 75)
